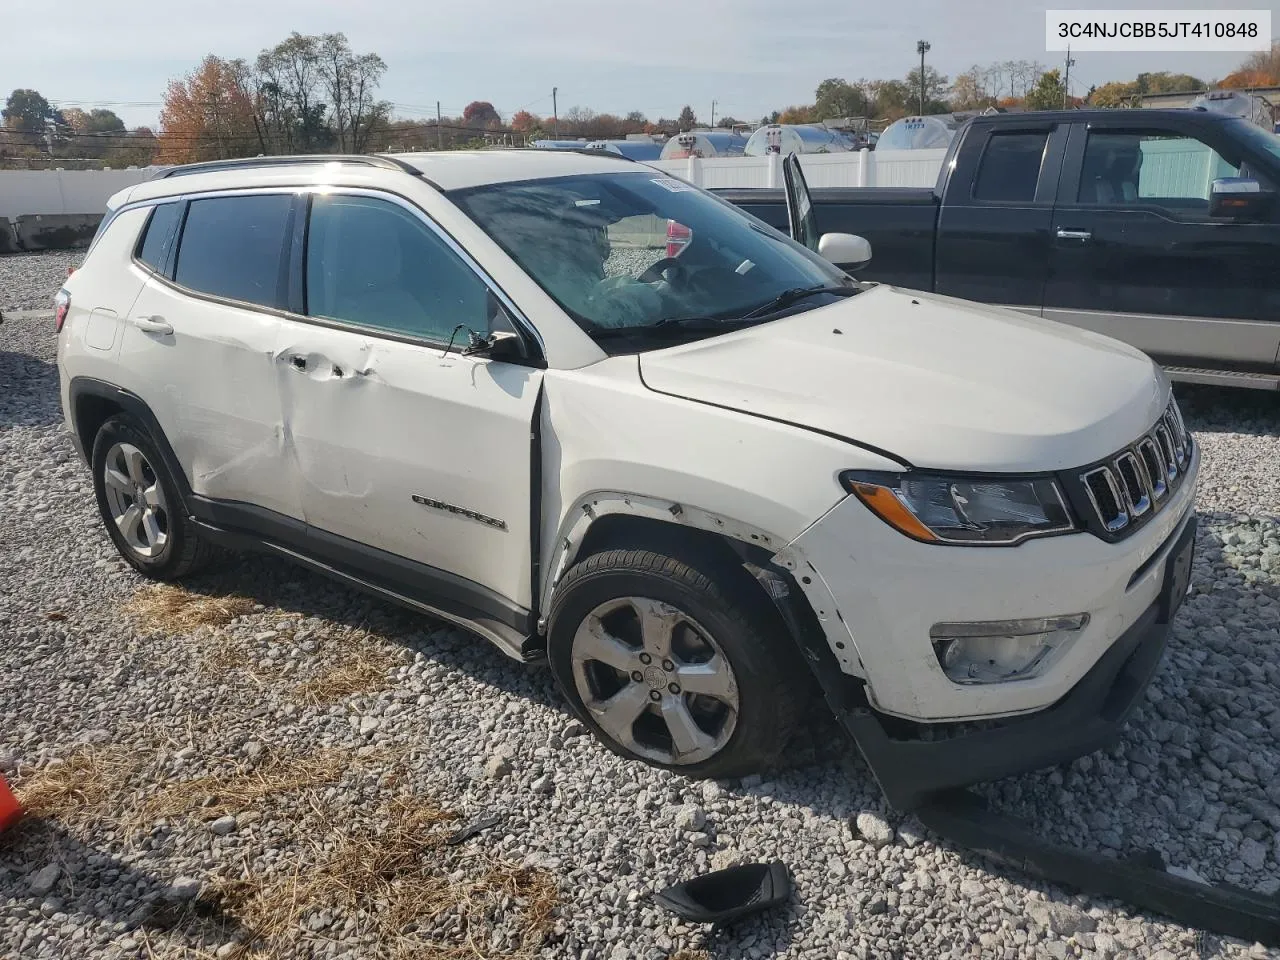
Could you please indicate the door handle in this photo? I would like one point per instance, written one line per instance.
(299, 361)
(152, 324)
(1065, 234)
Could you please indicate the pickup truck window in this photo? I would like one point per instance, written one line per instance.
(1010, 167)
(637, 250)
(1127, 166)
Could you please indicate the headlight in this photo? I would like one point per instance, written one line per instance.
(981, 511)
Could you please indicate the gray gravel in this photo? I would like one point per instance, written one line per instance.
(451, 722)
(28, 281)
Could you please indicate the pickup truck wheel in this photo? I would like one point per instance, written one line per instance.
(140, 504)
(674, 667)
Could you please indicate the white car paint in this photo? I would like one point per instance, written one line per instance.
(941, 383)
(743, 434)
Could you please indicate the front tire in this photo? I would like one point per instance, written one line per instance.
(683, 669)
(141, 505)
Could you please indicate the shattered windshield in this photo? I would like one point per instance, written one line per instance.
(640, 252)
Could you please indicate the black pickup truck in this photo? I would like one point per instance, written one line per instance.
(1157, 227)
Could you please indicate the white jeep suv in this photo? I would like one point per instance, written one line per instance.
(706, 481)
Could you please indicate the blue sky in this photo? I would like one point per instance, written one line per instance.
(751, 56)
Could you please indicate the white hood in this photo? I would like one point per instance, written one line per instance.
(938, 382)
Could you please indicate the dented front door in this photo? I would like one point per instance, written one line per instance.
(421, 455)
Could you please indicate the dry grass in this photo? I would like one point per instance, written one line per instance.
(82, 788)
(400, 882)
(174, 610)
(363, 669)
(245, 788)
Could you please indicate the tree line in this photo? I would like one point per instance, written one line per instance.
(315, 94)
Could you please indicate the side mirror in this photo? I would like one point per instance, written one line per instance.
(845, 250)
(1238, 198)
(501, 345)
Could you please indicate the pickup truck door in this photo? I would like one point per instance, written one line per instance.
(802, 222)
(993, 237)
(1137, 257)
(413, 459)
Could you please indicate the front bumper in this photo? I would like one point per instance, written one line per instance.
(911, 770)
(877, 595)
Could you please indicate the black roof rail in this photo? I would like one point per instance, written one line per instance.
(250, 163)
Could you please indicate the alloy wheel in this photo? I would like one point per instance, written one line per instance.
(655, 681)
(136, 500)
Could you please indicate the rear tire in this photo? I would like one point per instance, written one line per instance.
(682, 664)
(141, 505)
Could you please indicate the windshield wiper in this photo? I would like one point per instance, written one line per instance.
(795, 295)
(677, 325)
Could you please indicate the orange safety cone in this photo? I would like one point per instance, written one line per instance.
(10, 808)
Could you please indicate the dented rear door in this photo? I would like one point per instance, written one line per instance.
(198, 345)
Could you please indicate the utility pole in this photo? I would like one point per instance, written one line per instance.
(439, 130)
(922, 47)
(1066, 83)
(555, 111)
(713, 114)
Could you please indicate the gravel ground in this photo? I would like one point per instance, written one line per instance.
(284, 764)
(29, 280)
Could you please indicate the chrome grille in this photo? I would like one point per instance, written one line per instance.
(1133, 484)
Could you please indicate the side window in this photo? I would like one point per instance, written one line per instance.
(1130, 167)
(235, 247)
(158, 236)
(1010, 167)
(372, 263)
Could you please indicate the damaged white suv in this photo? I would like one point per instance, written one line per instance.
(594, 414)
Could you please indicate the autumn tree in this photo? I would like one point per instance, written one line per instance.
(799, 113)
(92, 133)
(637, 120)
(208, 115)
(687, 119)
(481, 114)
(1260, 69)
(522, 121)
(971, 90)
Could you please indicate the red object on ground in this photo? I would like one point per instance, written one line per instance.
(10, 809)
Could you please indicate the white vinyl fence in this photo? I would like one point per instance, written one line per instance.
(866, 168)
(53, 192)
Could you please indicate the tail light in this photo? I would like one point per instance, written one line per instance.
(678, 237)
(61, 304)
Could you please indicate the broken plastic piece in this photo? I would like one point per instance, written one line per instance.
(479, 825)
(726, 895)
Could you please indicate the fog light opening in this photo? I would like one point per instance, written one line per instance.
(998, 651)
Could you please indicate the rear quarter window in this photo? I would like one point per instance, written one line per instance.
(158, 236)
(235, 247)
